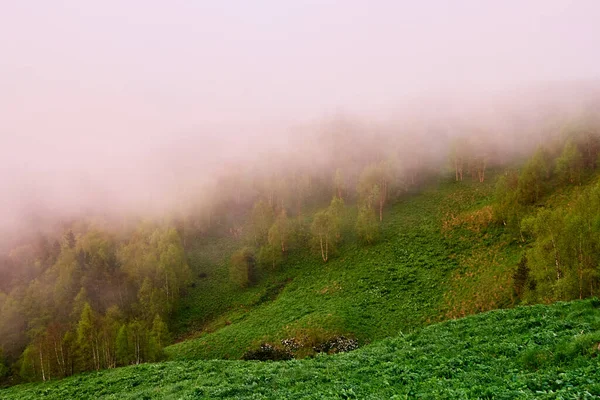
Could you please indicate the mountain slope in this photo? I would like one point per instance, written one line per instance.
(367, 292)
(527, 352)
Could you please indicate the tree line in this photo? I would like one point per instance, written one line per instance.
(89, 301)
(561, 260)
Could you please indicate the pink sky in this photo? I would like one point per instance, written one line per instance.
(92, 91)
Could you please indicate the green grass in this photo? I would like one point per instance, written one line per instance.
(537, 352)
(367, 292)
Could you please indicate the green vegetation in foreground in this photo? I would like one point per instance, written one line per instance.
(368, 292)
(539, 352)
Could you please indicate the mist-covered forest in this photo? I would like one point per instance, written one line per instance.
(214, 199)
(89, 292)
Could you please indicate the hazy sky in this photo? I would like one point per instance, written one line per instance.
(101, 87)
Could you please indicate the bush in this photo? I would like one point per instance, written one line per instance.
(338, 344)
(586, 345)
(534, 358)
(268, 352)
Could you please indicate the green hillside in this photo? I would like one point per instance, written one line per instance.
(523, 353)
(441, 249)
(400, 283)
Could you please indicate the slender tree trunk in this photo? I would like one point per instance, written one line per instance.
(42, 363)
(167, 283)
(456, 168)
(556, 258)
(60, 359)
(323, 253)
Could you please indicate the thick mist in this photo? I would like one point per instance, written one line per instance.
(141, 107)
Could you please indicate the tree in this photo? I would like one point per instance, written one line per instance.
(109, 329)
(137, 340)
(241, 269)
(458, 157)
(549, 256)
(326, 226)
(569, 166)
(321, 228)
(13, 325)
(278, 240)
(86, 340)
(69, 344)
(151, 301)
(339, 183)
(367, 227)
(27, 370)
(373, 185)
(159, 338)
(124, 354)
(261, 220)
(4, 370)
(68, 277)
(521, 277)
(479, 164)
(157, 255)
(78, 303)
(532, 181)
(69, 239)
(280, 232)
(507, 209)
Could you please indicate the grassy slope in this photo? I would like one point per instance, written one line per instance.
(418, 272)
(523, 353)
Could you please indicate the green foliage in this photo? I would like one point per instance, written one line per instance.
(241, 270)
(261, 220)
(367, 226)
(65, 319)
(4, 369)
(86, 337)
(521, 277)
(280, 238)
(27, 370)
(160, 333)
(536, 352)
(570, 164)
(326, 227)
(281, 232)
(374, 186)
(339, 183)
(507, 208)
(124, 353)
(564, 254)
(157, 255)
(533, 179)
(366, 292)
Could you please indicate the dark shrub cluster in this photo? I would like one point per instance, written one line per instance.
(268, 352)
(291, 344)
(338, 344)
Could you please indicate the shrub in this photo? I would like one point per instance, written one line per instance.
(534, 358)
(268, 352)
(337, 344)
